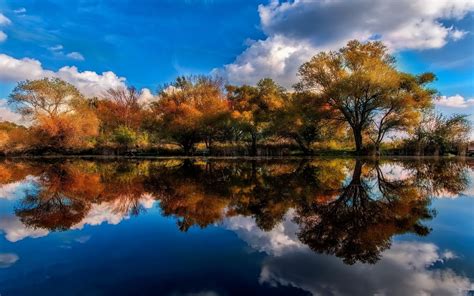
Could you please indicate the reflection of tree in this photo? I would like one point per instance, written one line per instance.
(124, 186)
(439, 177)
(14, 171)
(353, 219)
(202, 193)
(67, 191)
(62, 200)
(268, 191)
(359, 224)
(194, 194)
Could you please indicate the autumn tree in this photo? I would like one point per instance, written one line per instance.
(438, 134)
(253, 107)
(13, 137)
(61, 116)
(189, 110)
(305, 119)
(120, 107)
(403, 109)
(361, 82)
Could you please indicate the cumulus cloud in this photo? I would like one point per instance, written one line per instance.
(4, 20)
(6, 114)
(3, 36)
(282, 237)
(89, 83)
(106, 212)
(405, 269)
(299, 29)
(75, 56)
(456, 101)
(146, 96)
(277, 57)
(20, 189)
(8, 259)
(15, 230)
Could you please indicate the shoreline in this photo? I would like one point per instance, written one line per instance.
(243, 157)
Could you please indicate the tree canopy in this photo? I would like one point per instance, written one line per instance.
(354, 98)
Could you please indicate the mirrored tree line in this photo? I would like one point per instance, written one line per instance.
(349, 208)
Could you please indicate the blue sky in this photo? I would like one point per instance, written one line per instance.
(96, 44)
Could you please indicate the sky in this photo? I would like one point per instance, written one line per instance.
(98, 44)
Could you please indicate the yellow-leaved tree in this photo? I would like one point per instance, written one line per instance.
(60, 116)
(361, 83)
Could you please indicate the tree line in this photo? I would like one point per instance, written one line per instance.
(354, 98)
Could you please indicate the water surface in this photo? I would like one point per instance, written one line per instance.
(237, 227)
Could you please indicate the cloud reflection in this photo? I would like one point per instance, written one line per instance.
(407, 268)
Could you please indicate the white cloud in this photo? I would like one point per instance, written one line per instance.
(299, 29)
(20, 10)
(75, 56)
(58, 51)
(4, 20)
(146, 97)
(12, 69)
(456, 101)
(6, 114)
(106, 212)
(457, 34)
(277, 57)
(8, 259)
(20, 189)
(404, 269)
(89, 83)
(15, 230)
(3, 36)
(56, 48)
(274, 242)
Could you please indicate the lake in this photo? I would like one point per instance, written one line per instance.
(320, 226)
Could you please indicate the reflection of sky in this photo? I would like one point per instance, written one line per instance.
(407, 268)
(18, 190)
(14, 230)
(117, 250)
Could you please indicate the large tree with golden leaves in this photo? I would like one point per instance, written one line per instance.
(361, 82)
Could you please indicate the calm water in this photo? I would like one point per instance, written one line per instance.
(237, 227)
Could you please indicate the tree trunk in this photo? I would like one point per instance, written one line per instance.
(303, 146)
(187, 147)
(253, 151)
(358, 140)
(377, 148)
(209, 145)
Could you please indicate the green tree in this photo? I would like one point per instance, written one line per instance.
(124, 136)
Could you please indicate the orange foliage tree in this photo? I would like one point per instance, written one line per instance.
(190, 110)
(60, 114)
